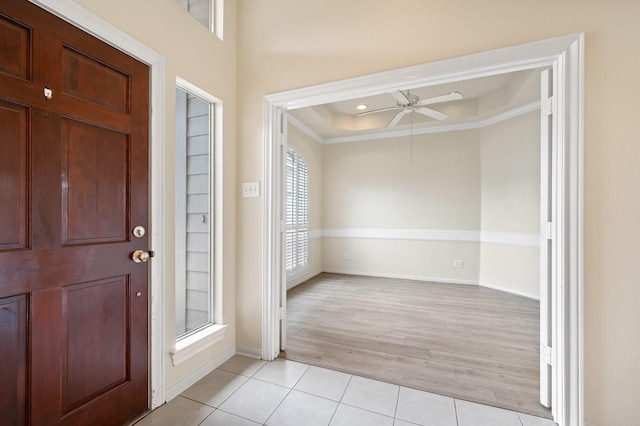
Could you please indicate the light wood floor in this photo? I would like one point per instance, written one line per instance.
(467, 342)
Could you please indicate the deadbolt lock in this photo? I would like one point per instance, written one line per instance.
(139, 231)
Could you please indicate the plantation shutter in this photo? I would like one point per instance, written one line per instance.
(297, 214)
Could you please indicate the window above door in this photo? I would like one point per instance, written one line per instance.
(209, 13)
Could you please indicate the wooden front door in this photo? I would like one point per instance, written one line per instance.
(73, 185)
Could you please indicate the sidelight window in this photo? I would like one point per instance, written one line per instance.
(194, 212)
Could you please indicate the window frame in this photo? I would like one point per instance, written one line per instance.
(194, 341)
(215, 16)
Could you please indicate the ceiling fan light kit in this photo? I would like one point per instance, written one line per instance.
(408, 103)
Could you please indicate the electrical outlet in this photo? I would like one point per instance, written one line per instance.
(346, 256)
(457, 263)
(250, 189)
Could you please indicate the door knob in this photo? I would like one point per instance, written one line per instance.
(140, 256)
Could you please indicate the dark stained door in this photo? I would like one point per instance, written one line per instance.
(73, 185)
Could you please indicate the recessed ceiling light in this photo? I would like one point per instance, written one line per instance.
(361, 107)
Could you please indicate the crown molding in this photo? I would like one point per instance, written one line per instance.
(441, 128)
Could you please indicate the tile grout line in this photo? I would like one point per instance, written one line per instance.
(395, 411)
(341, 397)
(240, 417)
(290, 388)
(345, 388)
(233, 393)
(368, 411)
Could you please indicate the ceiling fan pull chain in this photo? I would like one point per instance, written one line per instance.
(411, 141)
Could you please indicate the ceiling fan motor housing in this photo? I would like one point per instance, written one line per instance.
(412, 101)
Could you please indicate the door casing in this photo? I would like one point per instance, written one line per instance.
(565, 56)
(92, 24)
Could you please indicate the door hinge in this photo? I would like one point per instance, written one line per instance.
(280, 314)
(546, 355)
(546, 230)
(548, 106)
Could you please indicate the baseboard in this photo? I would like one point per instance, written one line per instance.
(248, 351)
(302, 278)
(403, 277)
(435, 280)
(190, 380)
(507, 290)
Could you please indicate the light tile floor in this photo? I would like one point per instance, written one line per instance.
(246, 391)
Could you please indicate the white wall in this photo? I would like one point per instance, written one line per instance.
(382, 205)
(406, 187)
(510, 185)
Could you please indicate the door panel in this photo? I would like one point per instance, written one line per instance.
(95, 185)
(113, 88)
(13, 186)
(15, 48)
(94, 324)
(13, 361)
(74, 184)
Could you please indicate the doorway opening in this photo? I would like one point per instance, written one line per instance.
(564, 57)
(429, 243)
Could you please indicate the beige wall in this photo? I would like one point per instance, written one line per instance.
(197, 56)
(311, 152)
(382, 184)
(510, 186)
(484, 180)
(428, 182)
(285, 44)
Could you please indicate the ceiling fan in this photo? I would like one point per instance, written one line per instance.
(408, 103)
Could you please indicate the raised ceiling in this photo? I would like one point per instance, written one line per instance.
(483, 98)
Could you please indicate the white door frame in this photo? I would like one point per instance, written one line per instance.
(99, 28)
(565, 55)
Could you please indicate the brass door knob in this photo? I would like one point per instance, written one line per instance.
(140, 256)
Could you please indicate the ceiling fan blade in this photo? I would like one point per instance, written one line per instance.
(453, 96)
(373, 111)
(396, 119)
(432, 113)
(400, 97)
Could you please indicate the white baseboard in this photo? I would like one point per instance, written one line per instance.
(302, 278)
(403, 277)
(436, 280)
(191, 379)
(508, 290)
(248, 351)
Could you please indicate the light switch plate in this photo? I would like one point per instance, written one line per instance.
(250, 189)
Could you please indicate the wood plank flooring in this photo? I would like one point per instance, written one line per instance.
(467, 342)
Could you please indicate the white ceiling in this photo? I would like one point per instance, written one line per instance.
(483, 98)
